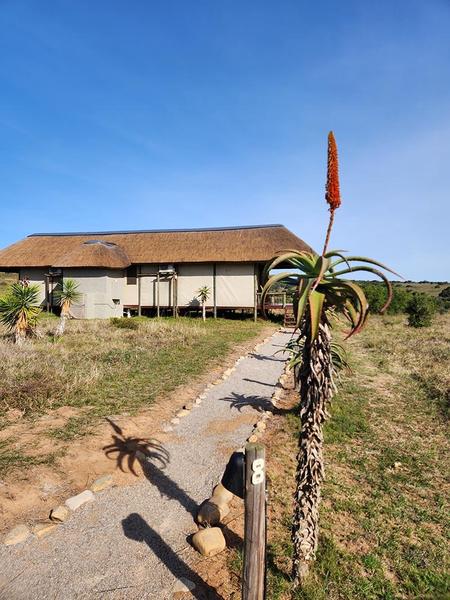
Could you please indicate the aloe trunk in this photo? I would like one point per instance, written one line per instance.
(316, 390)
(62, 324)
(19, 336)
(204, 310)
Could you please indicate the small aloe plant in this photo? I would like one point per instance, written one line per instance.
(20, 310)
(67, 296)
(321, 292)
(203, 294)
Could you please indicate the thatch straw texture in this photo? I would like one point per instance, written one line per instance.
(95, 254)
(239, 244)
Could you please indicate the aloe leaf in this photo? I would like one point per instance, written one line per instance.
(304, 291)
(366, 260)
(316, 300)
(378, 274)
(295, 258)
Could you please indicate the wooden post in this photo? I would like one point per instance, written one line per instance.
(47, 293)
(157, 294)
(175, 296)
(255, 285)
(139, 278)
(214, 291)
(254, 572)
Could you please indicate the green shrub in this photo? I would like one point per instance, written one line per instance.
(376, 296)
(420, 310)
(124, 322)
(445, 293)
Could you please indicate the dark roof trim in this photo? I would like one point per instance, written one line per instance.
(153, 231)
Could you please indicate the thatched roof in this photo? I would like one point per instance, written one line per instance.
(227, 244)
(95, 253)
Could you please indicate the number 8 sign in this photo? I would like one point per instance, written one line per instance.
(258, 471)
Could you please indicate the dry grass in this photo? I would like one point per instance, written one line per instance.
(384, 515)
(106, 370)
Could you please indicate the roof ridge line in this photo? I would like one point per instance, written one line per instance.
(140, 231)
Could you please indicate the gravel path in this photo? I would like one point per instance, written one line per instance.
(132, 541)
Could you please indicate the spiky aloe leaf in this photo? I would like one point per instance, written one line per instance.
(376, 272)
(303, 292)
(350, 259)
(316, 301)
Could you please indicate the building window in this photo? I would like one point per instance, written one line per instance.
(132, 275)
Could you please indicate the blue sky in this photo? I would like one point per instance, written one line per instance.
(132, 115)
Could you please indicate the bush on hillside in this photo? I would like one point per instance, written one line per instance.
(420, 310)
(445, 293)
(376, 296)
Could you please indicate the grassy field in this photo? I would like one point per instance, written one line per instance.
(384, 515)
(104, 370)
(430, 287)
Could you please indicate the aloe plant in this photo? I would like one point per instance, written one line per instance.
(203, 294)
(20, 310)
(67, 296)
(321, 295)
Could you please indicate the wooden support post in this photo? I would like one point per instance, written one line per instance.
(157, 295)
(255, 285)
(175, 296)
(254, 572)
(214, 291)
(47, 293)
(139, 278)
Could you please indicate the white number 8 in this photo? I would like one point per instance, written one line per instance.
(258, 471)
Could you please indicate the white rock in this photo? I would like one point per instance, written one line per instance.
(198, 401)
(167, 428)
(175, 421)
(221, 495)
(183, 585)
(183, 413)
(77, 501)
(103, 482)
(209, 541)
(211, 514)
(253, 438)
(261, 426)
(59, 514)
(42, 529)
(17, 535)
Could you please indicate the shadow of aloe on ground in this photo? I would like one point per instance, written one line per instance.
(153, 458)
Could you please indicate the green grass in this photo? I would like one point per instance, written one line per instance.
(104, 370)
(11, 458)
(384, 528)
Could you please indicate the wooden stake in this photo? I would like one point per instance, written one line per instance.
(215, 290)
(255, 291)
(157, 295)
(139, 282)
(253, 578)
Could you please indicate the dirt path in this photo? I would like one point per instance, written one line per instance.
(132, 541)
(27, 494)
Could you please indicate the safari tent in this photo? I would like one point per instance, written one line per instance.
(151, 272)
